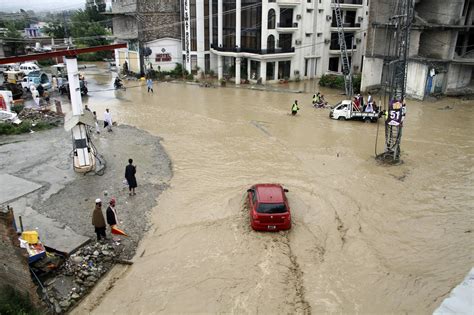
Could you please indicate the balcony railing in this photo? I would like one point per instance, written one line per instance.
(359, 2)
(345, 25)
(254, 50)
(287, 25)
(335, 46)
(289, 2)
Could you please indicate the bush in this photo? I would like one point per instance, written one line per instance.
(13, 302)
(190, 77)
(337, 82)
(24, 127)
(17, 108)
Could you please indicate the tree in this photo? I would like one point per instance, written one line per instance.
(88, 29)
(55, 29)
(13, 39)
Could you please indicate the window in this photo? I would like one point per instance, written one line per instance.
(284, 69)
(334, 64)
(286, 17)
(271, 208)
(251, 25)
(254, 197)
(270, 70)
(228, 24)
(271, 43)
(271, 19)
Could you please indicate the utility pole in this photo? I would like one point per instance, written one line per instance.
(396, 64)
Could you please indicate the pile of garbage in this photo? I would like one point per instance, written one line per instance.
(35, 116)
(79, 274)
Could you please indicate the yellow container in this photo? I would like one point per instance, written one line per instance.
(30, 236)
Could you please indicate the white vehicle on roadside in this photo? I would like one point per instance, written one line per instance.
(6, 102)
(28, 67)
(345, 110)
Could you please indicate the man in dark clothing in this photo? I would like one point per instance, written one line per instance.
(98, 220)
(130, 171)
(111, 213)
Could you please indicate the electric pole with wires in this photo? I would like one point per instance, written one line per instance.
(395, 68)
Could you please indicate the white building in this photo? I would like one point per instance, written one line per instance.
(270, 39)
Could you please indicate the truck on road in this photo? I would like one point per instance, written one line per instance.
(346, 110)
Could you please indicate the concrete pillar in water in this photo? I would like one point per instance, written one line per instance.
(220, 67)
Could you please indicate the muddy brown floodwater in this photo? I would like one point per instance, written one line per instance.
(365, 239)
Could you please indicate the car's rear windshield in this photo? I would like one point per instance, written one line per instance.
(271, 208)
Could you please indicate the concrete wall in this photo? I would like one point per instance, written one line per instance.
(14, 270)
(439, 11)
(416, 80)
(459, 76)
(125, 26)
(437, 44)
(371, 73)
(160, 25)
(124, 6)
(165, 46)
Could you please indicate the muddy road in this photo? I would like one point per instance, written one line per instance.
(365, 238)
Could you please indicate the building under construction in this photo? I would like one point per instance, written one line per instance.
(441, 47)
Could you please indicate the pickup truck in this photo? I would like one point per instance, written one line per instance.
(345, 110)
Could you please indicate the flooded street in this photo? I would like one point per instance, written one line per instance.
(365, 238)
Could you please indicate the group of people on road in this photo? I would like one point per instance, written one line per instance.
(98, 220)
(318, 101)
(368, 107)
(107, 119)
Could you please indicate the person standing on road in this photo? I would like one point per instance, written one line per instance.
(35, 95)
(111, 213)
(130, 171)
(149, 84)
(294, 108)
(108, 120)
(98, 220)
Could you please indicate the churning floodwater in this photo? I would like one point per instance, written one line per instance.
(366, 238)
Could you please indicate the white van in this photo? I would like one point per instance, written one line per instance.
(28, 67)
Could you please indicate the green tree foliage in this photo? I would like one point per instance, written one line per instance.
(55, 29)
(13, 38)
(337, 81)
(88, 29)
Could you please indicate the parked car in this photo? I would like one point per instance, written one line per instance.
(269, 208)
(28, 67)
(35, 78)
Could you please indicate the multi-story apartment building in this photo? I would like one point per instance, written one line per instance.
(441, 51)
(152, 24)
(270, 39)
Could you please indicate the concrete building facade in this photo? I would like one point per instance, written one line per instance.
(270, 40)
(441, 51)
(141, 23)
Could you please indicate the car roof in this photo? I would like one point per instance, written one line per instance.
(269, 193)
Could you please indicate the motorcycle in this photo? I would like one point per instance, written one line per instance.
(320, 104)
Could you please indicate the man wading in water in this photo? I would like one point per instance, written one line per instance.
(294, 108)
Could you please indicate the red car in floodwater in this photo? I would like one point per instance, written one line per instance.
(269, 209)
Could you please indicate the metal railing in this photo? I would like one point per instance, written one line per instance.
(278, 50)
(287, 25)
